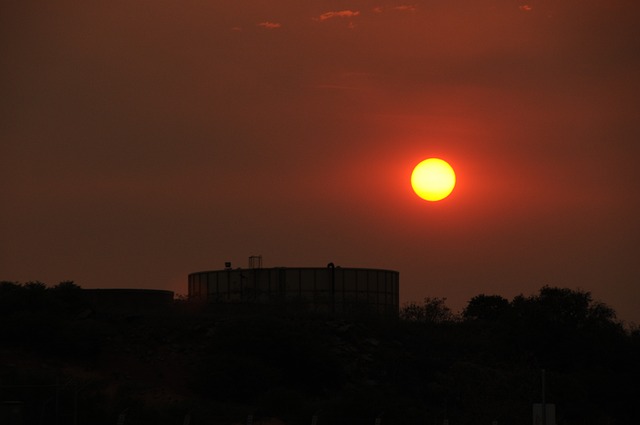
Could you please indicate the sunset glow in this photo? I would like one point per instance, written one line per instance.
(146, 140)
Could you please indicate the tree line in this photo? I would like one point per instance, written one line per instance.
(429, 365)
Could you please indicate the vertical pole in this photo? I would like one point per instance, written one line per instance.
(544, 403)
(75, 407)
(332, 270)
(57, 398)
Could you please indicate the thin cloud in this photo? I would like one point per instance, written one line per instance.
(406, 8)
(402, 8)
(526, 8)
(338, 14)
(269, 25)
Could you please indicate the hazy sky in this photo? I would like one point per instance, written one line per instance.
(144, 140)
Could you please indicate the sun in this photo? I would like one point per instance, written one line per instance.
(433, 179)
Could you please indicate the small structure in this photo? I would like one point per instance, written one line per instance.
(328, 289)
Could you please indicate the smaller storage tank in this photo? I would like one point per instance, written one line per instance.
(330, 289)
(126, 302)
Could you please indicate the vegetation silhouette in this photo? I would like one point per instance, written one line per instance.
(219, 364)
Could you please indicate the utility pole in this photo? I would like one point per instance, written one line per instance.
(75, 406)
(57, 398)
(544, 403)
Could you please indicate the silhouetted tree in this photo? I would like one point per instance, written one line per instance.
(68, 297)
(486, 307)
(412, 312)
(563, 307)
(432, 310)
(66, 286)
(10, 295)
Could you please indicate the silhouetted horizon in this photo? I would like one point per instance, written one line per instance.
(66, 358)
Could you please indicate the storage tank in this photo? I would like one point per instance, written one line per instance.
(125, 302)
(330, 289)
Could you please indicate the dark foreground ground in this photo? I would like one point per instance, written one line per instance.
(61, 363)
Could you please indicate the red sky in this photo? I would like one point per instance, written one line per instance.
(144, 140)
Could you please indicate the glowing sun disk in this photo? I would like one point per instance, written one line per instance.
(433, 179)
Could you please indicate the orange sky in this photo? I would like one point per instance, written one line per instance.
(143, 140)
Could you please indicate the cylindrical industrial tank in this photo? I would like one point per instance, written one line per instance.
(331, 289)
